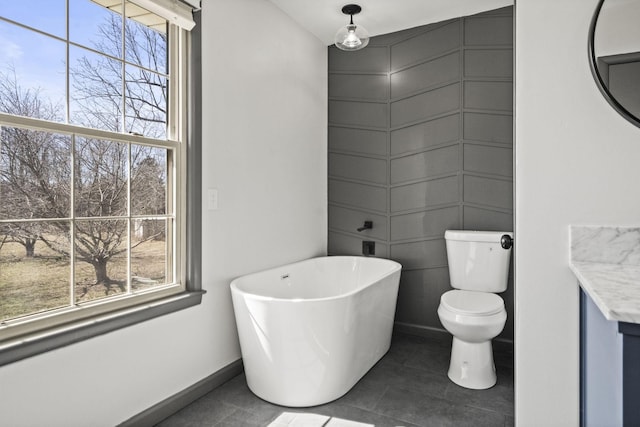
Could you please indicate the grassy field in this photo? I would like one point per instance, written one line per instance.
(40, 283)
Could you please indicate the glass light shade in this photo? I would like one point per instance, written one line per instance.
(352, 37)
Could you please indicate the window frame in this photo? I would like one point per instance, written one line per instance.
(84, 323)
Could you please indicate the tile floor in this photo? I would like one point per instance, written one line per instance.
(407, 387)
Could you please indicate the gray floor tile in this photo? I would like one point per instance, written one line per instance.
(430, 359)
(300, 419)
(434, 412)
(465, 416)
(203, 412)
(497, 398)
(415, 380)
(365, 394)
(411, 407)
(409, 387)
(350, 413)
(241, 418)
(402, 347)
(237, 393)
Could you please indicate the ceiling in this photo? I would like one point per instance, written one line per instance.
(323, 17)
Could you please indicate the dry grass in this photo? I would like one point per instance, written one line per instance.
(41, 283)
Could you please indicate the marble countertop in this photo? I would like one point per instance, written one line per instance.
(606, 261)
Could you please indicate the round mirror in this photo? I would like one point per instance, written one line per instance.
(614, 54)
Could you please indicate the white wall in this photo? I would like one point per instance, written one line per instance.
(576, 163)
(264, 131)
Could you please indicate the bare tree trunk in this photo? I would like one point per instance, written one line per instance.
(100, 267)
(30, 246)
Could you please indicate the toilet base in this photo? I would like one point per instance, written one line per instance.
(471, 364)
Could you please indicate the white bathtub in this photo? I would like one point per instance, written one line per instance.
(310, 330)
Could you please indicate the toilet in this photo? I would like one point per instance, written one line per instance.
(472, 312)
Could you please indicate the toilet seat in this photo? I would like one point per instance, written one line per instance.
(471, 303)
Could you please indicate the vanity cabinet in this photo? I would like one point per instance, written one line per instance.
(606, 262)
(630, 373)
(609, 369)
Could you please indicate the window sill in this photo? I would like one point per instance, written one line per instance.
(24, 347)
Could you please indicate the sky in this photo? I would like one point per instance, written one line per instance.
(39, 59)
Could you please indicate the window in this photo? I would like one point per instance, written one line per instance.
(93, 184)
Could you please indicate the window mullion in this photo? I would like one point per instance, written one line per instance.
(123, 125)
(129, 273)
(72, 167)
(125, 129)
(72, 224)
(174, 93)
(67, 118)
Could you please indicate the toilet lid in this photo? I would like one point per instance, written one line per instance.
(472, 303)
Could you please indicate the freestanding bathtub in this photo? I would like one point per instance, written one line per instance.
(310, 330)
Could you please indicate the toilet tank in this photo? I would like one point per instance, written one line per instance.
(477, 261)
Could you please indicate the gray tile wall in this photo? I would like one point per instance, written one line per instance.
(420, 141)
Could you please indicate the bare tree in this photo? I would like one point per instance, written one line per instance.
(35, 167)
(97, 81)
(104, 102)
(29, 186)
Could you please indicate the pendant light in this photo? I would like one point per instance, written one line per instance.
(351, 36)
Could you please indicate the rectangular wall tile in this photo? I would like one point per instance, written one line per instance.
(358, 140)
(342, 244)
(410, 306)
(489, 30)
(486, 159)
(391, 39)
(419, 295)
(427, 254)
(358, 195)
(428, 74)
(360, 86)
(368, 114)
(426, 45)
(436, 282)
(356, 167)
(422, 165)
(437, 154)
(488, 127)
(486, 219)
(372, 59)
(425, 105)
(488, 191)
(431, 223)
(488, 95)
(424, 194)
(350, 220)
(507, 297)
(425, 135)
(488, 63)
